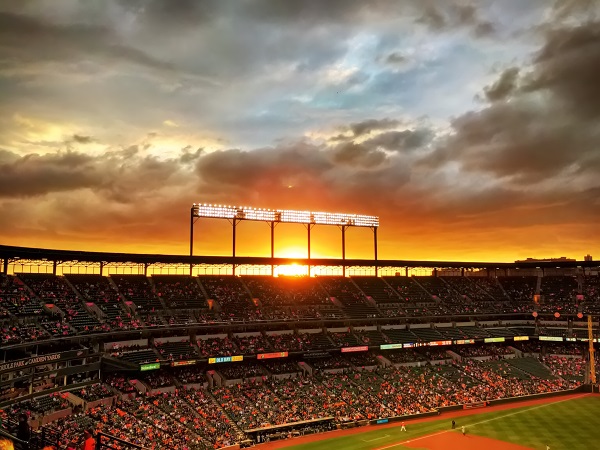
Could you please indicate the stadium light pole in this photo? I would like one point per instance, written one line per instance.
(343, 228)
(272, 225)
(192, 221)
(375, 249)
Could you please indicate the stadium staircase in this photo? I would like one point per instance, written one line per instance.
(431, 297)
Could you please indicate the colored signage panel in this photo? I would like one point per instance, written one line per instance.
(389, 346)
(272, 355)
(379, 421)
(521, 338)
(225, 359)
(464, 341)
(152, 366)
(408, 345)
(41, 359)
(363, 348)
(183, 363)
(494, 339)
(551, 338)
(439, 343)
(571, 339)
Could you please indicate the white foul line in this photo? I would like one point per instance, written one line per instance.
(479, 423)
(375, 439)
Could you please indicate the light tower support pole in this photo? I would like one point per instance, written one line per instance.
(343, 228)
(591, 346)
(308, 228)
(234, 223)
(192, 221)
(375, 245)
(272, 225)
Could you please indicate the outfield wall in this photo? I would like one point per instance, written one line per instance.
(502, 401)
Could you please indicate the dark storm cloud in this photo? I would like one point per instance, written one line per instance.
(35, 175)
(504, 86)
(172, 13)
(396, 59)
(358, 155)
(367, 126)
(568, 66)
(238, 167)
(30, 40)
(532, 137)
(119, 175)
(405, 140)
(443, 16)
(81, 139)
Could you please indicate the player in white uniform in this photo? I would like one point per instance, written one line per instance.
(464, 430)
(402, 428)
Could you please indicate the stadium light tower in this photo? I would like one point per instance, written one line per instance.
(236, 214)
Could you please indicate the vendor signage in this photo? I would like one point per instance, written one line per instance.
(225, 359)
(363, 348)
(151, 366)
(494, 339)
(439, 343)
(272, 355)
(189, 362)
(389, 346)
(41, 359)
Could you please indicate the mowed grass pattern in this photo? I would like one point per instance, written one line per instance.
(563, 425)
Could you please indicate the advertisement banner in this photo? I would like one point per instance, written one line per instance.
(494, 339)
(272, 355)
(151, 366)
(363, 348)
(551, 338)
(183, 363)
(439, 343)
(41, 359)
(464, 341)
(521, 338)
(389, 346)
(225, 359)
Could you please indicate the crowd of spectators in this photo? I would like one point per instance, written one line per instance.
(407, 355)
(281, 367)
(331, 362)
(290, 342)
(119, 382)
(555, 348)
(252, 344)
(192, 374)
(241, 371)
(567, 368)
(190, 419)
(361, 359)
(472, 351)
(216, 347)
(158, 379)
(94, 392)
(39, 406)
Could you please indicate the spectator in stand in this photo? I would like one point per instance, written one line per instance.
(89, 442)
(23, 429)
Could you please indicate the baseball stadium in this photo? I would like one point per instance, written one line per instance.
(150, 351)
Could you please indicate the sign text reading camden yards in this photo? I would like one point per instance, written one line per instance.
(30, 361)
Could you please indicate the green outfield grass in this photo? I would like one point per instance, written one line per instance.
(564, 425)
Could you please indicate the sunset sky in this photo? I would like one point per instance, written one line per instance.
(472, 128)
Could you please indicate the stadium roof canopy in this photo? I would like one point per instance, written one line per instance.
(8, 252)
